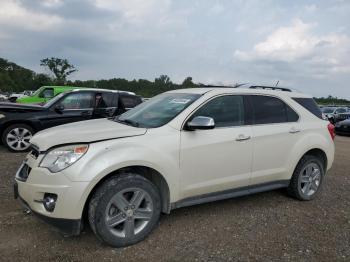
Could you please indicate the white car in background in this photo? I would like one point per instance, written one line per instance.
(3, 98)
(181, 148)
(14, 96)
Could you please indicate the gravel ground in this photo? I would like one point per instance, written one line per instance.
(263, 227)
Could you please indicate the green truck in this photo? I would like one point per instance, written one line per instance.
(44, 94)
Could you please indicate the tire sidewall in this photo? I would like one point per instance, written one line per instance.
(11, 127)
(113, 188)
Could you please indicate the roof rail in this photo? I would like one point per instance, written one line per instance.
(219, 86)
(271, 88)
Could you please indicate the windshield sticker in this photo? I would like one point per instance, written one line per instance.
(179, 101)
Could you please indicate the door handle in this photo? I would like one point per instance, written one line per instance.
(242, 137)
(294, 130)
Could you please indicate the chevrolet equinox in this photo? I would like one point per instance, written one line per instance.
(180, 148)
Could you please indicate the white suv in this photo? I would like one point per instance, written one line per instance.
(180, 148)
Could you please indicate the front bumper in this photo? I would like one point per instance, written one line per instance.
(70, 227)
(70, 201)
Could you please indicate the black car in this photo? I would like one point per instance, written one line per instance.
(18, 122)
(341, 116)
(343, 127)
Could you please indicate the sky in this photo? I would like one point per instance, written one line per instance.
(303, 44)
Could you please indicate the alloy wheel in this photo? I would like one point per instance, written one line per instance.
(310, 179)
(18, 138)
(128, 212)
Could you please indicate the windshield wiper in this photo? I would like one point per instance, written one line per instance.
(128, 122)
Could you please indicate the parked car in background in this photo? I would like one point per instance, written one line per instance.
(342, 116)
(3, 98)
(14, 96)
(343, 127)
(44, 94)
(19, 122)
(331, 112)
(180, 148)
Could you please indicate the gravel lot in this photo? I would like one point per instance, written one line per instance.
(265, 227)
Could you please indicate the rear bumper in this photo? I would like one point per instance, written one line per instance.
(70, 227)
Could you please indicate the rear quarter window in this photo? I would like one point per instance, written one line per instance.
(310, 105)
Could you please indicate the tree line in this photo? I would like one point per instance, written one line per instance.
(15, 78)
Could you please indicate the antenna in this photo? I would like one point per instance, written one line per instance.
(278, 81)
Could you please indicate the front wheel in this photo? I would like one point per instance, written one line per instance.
(16, 137)
(124, 210)
(307, 178)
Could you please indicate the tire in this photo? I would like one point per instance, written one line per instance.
(16, 137)
(307, 178)
(118, 202)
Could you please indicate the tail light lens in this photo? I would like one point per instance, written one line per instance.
(331, 130)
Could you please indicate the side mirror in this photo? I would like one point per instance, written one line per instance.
(201, 122)
(59, 109)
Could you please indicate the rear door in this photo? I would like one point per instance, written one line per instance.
(73, 107)
(275, 130)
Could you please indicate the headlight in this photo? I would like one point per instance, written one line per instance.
(2, 116)
(60, 158)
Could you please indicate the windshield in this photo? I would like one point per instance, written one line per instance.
(36, 93)
(328, 110)
(53, 100)
(157, 111)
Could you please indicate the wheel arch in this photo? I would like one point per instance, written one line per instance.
(15, 122)
(319, 153)
(147, 172)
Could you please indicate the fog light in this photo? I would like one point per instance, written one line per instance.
(49, 202)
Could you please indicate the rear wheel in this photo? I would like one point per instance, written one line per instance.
(16, 137)
(307, 179)
(124, 210)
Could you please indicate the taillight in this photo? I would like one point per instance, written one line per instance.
(331, 130)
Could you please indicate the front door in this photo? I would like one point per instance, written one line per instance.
(218, 159)
(75, 106)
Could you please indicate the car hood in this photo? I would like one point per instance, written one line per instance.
(14, 107)
(84, 132)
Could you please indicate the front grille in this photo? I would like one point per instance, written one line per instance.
(23, 173)
(34, 151)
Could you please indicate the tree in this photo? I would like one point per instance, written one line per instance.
(163, 80)
(188, 82)
(61, 68)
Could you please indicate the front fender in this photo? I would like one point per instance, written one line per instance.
(104, 158)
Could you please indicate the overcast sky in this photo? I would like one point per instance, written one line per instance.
(303, 44)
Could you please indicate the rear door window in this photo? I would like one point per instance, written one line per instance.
(270, 110)
(310, 105)
(105, 100)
